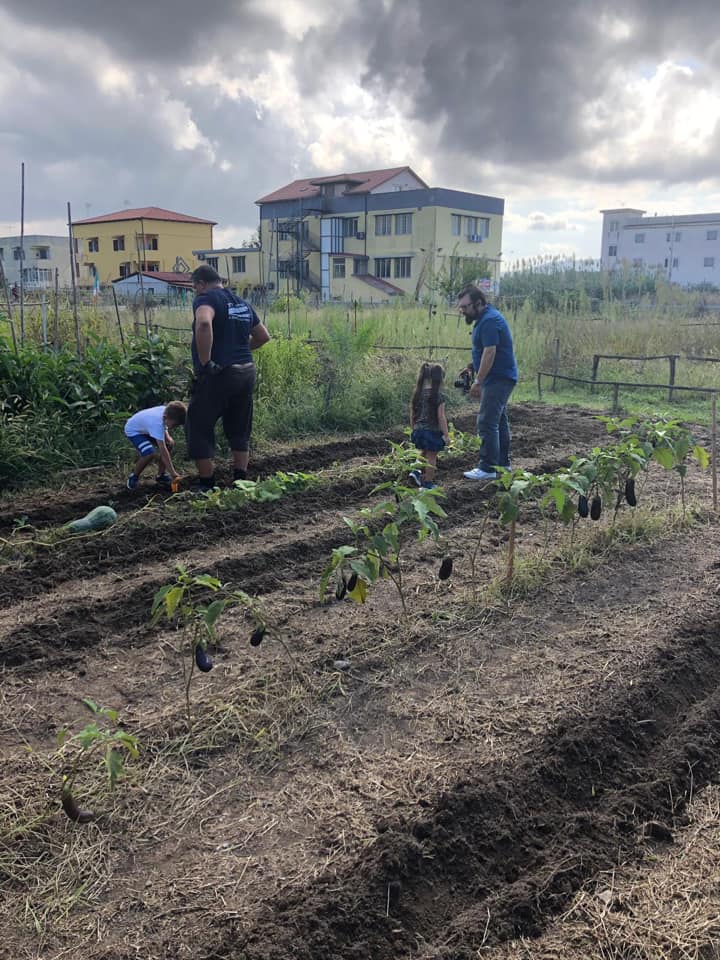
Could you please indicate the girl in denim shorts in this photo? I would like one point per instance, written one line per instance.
(428, 421)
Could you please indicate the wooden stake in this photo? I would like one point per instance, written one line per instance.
(117, 314)
(56, 314)
(73, 271)
(713, 454)
(510, 555)
(22, 254)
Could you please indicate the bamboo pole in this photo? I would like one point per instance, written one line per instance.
(713, 449)
(56, 313)
(117, 314)
(22, 254)
(73, 272)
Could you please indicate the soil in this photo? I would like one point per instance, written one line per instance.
(452, 787)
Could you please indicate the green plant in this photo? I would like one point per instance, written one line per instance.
(194, 604)
(83, 745)
(252, 491)
(377, 553)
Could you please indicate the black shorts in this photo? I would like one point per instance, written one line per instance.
(228, 394)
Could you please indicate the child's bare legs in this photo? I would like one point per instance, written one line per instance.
(143, 462)
(429, 471)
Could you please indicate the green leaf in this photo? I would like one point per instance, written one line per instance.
(115, 766)
(91, 705)
(702, 456)
(664, 457)
(205, 580)
(213, 612)
(172, 598)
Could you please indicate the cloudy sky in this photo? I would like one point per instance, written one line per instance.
(562, 108)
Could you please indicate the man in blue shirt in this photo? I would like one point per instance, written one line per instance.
(493, 359)
(225, 331)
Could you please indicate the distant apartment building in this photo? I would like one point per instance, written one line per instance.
(145, 239)
(683, 249)
(374, 234)
(240, 266)
(37, 256)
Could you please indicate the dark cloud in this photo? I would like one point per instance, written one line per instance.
(155, 30)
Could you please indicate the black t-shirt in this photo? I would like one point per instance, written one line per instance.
(426, 415)
(232, 323)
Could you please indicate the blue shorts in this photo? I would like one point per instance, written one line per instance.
(427, 439)
(144, 444)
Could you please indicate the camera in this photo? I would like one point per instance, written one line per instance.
(464, 381)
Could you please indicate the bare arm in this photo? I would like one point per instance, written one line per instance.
(442, 421)
(259, 336)
(204, 332)
(166, 459)
(486, 363)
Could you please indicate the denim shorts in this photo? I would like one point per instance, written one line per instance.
(427, 439)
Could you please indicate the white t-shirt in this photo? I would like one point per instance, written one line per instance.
(149, 422)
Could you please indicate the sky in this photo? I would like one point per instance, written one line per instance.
(560, 108)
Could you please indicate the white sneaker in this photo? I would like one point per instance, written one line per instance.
(478, 474)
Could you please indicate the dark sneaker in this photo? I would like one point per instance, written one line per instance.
(416, 477)
(428, 485)
(164, 478)
(132, 482)
(203, 484)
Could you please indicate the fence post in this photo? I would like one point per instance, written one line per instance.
(556, 362)
(593, 376)
(539, 376)
(713, 450)
(672, 359)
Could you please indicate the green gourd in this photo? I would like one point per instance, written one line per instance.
(97, 519)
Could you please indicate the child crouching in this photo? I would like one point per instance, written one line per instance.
(149, 432)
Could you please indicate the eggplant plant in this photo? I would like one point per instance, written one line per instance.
(194, 603)
(380, 533)
(112, 745)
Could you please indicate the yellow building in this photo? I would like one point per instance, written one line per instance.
(148, 238)
(241, 267)
(375, 235)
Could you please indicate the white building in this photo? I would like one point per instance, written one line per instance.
(683, 249)
(39, 256)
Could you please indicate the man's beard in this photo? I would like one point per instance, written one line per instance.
(470, 319)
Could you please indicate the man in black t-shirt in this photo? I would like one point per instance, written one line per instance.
(225, 331)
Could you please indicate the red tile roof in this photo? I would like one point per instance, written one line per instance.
(144, 213)
(363, 183)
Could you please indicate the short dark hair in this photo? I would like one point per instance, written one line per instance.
(176, 411)
(205, 274)
(475, 294)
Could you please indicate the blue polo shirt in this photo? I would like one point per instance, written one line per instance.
(491, 330)
(232, 323)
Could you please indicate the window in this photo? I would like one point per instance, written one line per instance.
(639, 238)
(676, 262)
(383, 225)
(93, 245)
(455, 224)
(665, 264)
(90, 269)
(709, 262)
(212, 262)
(285, 231)
(711, 235)
(360, 267)
(125, 269)
(283, 268)
(678, 236)
(350, 226)
(18, 253)
(118, 243)
(612, 251)
(402, 267)
(148, 242)
(668, 237)
(42, 253)
(383, 267)
(338, 268)
(403, 223)
(238, 264)
(614, 225)
(150, 266)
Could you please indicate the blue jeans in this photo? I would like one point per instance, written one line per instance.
(493, 426)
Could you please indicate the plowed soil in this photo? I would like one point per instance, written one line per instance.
(450, 787)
